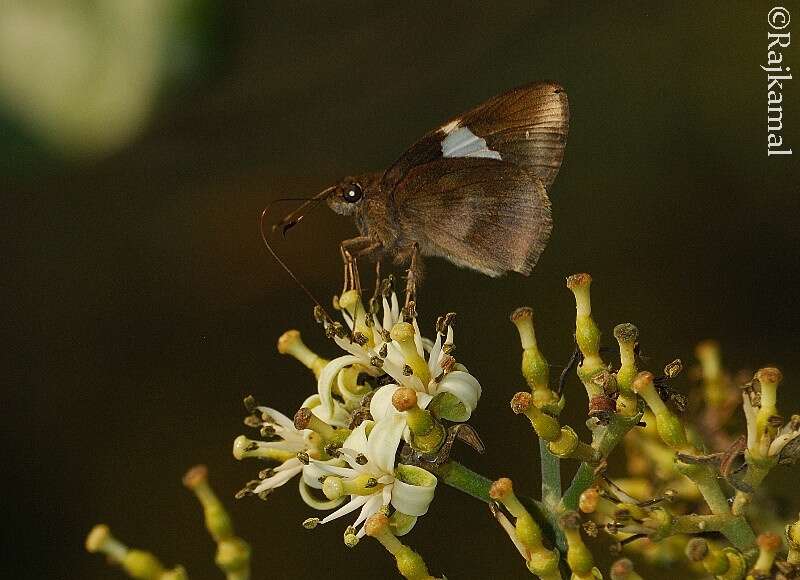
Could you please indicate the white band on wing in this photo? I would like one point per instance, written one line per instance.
(462, 142)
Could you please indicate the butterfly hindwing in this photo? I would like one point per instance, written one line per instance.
(479, 212)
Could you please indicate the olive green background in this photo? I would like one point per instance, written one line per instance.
(143, 307)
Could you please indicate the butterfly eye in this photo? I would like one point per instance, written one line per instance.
(353, 193)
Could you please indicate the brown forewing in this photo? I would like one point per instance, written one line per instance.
(489, 215)
(528, 126)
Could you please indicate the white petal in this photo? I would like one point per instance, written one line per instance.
(409, 498)
(465, 388)
(278, 479)
(434, 365)
(357, 440)
(418, 339)
(313, 472)
(347, 319)
(333, 469)
(381, 403)
(353, 348)
(356, 501)
(328, 375)
(387, 315)
(384, 439)
(373, 504)
(311, 500)
(395, 310)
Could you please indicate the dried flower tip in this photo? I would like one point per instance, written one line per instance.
(644, 380)
(571, 520)
(769, 375)
(578, 280)
(696, 549)
(319, 315)
(404, 399)
(521, 402)
(501, 489)
(588, 500)
(197, 475)
(376, 524)
(626, 333)
(311, 523)
(623, 570)
(673, 369)
(769, 541)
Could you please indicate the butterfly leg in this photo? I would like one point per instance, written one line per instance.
(350, 250)
(414, 276)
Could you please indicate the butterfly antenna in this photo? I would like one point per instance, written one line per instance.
(287, 223)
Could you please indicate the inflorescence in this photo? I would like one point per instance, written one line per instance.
(374, 442)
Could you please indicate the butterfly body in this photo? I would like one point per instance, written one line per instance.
(473, 191)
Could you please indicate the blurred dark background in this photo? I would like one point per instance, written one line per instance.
(138, 155)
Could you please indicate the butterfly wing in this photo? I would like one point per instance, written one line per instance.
(526, 126)
(478, 212)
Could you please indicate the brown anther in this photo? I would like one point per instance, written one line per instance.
(407, 371)
(362, 459)
(376, 361)
(252, 421)
(521, 402)
(371, 482)
(333, 448)
(591, 529)
(448, 363)
(404, 399)
(250, 404)
(267, 431)
(319, 314)
(359, 338)
(302, 418)
(303, 458)
(448, 348)
(384, 350)
(673, 369)
(775, 421)
(265, 473)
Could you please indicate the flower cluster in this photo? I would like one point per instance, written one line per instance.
(381, 421)
(374, 441)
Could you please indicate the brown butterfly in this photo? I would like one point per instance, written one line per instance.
(473, 191)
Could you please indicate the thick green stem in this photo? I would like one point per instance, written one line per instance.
(584, 478)
(551, 475)
(465, 480)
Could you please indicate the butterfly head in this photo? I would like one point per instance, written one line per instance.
(347, 198)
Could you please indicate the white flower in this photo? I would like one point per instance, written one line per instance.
(395, 350)
(371, 479)
(284, 450)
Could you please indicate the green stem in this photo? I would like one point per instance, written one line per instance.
(476, 485)
(551, 475)
(584, 478)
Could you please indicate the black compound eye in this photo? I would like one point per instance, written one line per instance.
(353, 193)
